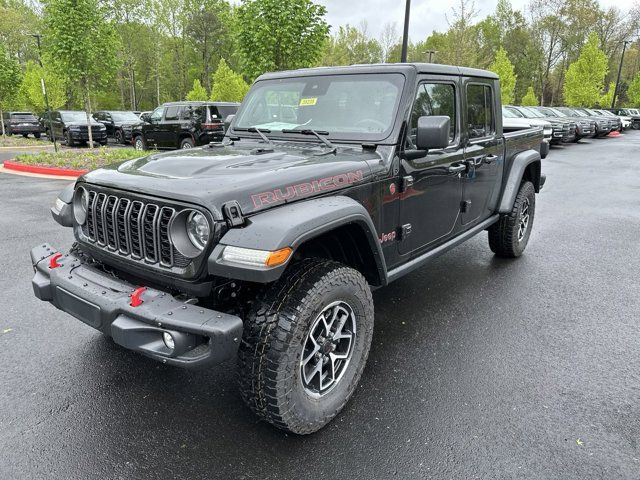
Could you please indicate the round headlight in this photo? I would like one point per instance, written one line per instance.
(198, 230)
(80, 205)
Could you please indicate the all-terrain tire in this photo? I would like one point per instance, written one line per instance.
(508, 237)
(276, 332)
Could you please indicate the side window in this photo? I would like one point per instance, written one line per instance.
(172, 113)
(156, 115)
(106, 117)
(480, 111)
(433, 99)
(186, 112)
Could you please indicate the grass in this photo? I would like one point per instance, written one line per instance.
(79, 159)
(20, 141)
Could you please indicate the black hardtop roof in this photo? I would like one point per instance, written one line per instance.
(200, 103)
(433, 68)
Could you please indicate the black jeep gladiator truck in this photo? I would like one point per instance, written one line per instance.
(265, 247)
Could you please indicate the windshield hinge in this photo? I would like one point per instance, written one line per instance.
(232, 214)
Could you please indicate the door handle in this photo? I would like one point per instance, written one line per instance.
(457, 168)
(489, 159)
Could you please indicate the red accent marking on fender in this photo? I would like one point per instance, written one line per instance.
(53, 262)
(392, 188)
(136, 297)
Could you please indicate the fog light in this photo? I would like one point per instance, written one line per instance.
(168, 340)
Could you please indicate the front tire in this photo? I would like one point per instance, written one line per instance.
(305, 344)
(139, 143)
(67, 139)
(509, 236)
(119, 137)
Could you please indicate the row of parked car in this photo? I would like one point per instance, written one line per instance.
(171, 125)
(190, 124)
(570, 124)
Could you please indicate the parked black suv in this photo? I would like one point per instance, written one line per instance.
(21, 123)
(183, 125)
(71, 126)
(116, 122)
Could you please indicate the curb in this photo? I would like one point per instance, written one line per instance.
(26, 147)
(59, 172)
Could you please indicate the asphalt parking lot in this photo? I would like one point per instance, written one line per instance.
(480, 368)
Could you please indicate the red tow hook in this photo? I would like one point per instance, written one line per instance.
(53, 261)
(136, 299)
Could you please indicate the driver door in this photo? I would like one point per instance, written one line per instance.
(151, 129)
(431, 185)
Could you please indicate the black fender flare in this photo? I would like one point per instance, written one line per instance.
(290, 226)
(521, 162)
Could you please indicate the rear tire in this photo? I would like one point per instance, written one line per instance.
(25, 135)
(305, 344)
(186, 143)
(37, 135)
(509, 236)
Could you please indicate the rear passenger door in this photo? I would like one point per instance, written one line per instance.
(483, 152)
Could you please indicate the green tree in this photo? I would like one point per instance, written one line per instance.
(198, 92)
(607, 98)
(280, 34)
(31, 88)
(633, 92)
(530, 99)
(81, 44)
(584, 80)
(505, 70)
(352, 45)
(228, 86)
(9, 82)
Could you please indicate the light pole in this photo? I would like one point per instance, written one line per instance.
(37, 36)
(405, 35)
(615, 92)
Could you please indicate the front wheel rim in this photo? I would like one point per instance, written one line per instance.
(139, 145)
(524, 219)
(327, 349)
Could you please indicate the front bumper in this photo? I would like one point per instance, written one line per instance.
(22, 129)
(202, 336)
(84, 136)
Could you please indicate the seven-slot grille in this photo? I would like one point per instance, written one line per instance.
(134, 228)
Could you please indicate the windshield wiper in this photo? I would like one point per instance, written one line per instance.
(259, 131)
(310, 131)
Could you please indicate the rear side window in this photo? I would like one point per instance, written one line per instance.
(171, 113)
(480, 111)
(223, 111)
(433, 99)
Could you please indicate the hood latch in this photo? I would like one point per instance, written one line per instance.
(233, 214)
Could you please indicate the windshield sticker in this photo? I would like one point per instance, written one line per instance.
(305, 189)
(307, 102)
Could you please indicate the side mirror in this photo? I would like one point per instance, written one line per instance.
(433, 133)
(145, 117)
(228, 120)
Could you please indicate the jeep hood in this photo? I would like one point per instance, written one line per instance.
(255, 178)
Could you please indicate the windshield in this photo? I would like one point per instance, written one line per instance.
(547, 112)
(507, 113)
(75, 117)
(25, 117)
(353, 106)
(124, 117)
(633, 111)
(531, 112)
(514, 111)
(568, 111)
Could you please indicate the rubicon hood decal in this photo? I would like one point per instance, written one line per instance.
(306, 189)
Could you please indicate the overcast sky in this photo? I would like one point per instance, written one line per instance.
(426, 15)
